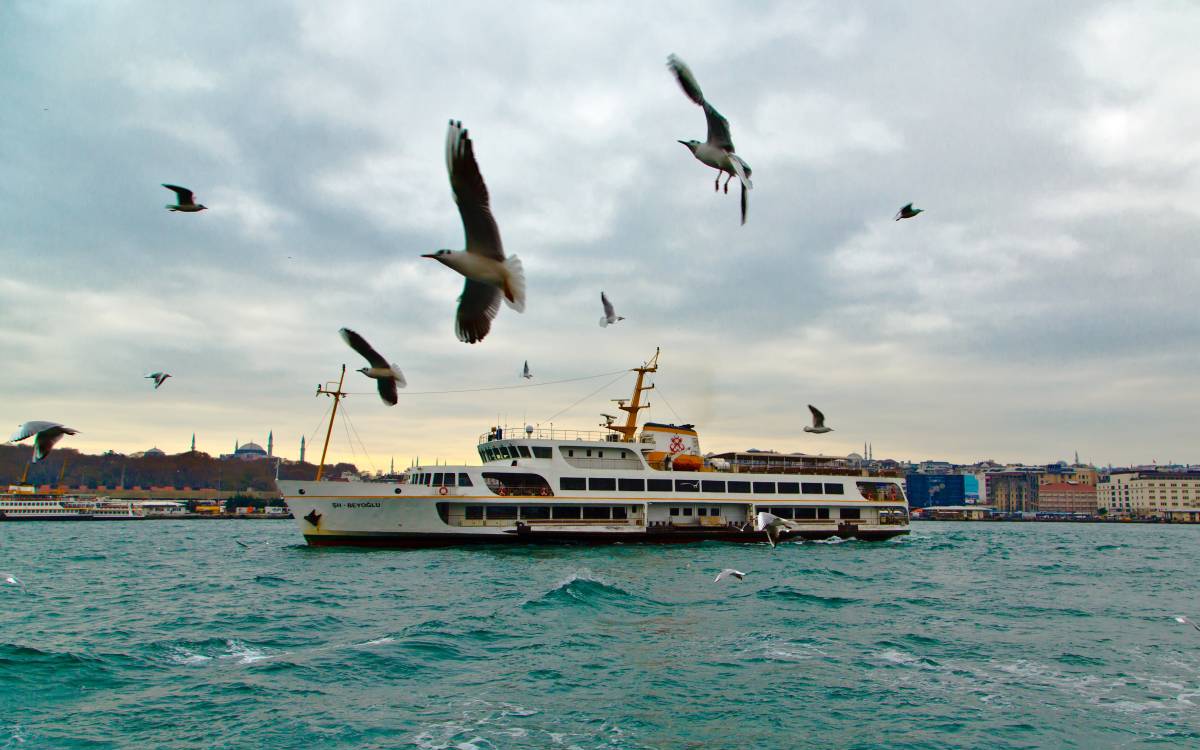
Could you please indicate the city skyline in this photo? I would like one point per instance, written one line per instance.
(1043, 299)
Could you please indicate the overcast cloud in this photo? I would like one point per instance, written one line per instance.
(1046, 301)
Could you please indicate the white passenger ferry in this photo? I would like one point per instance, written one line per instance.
(621, 485)
(24, 503)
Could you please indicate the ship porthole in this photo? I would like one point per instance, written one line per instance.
(397, 490)
(301, 492)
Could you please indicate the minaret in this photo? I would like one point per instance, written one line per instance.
(270, 443)
(193, 442)
(235, 445)
(392, 468)
(301, 449)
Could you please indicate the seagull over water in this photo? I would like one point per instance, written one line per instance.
(610, 314)
(387, 376)
(185, 201)
(818, 425)
(159, 378)
(1187, 621)
(12, 580)
(727, 573)
(490, 275)
(44, 434)
(527, 374)
(773, 525)
(717, 149)
(907, 212)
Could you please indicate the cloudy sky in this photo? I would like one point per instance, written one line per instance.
(1047, 301)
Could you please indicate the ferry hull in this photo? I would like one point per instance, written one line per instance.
(14, 518)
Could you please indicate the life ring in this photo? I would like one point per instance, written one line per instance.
(545, 492)
(502, 492)
(442, 490)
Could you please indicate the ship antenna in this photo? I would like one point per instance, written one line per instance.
(629, 429)
(338, 395)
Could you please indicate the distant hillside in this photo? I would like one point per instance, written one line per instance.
(182, 470)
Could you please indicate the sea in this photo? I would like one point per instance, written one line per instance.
(234, 634)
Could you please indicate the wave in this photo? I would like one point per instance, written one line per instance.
(783, 593)
(583, 589)
(215, 650)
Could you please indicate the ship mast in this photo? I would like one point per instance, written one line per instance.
(629, 429)
(338, 395)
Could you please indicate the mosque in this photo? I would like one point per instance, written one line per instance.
(251, 451)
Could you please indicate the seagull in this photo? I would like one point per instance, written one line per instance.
(44, 434)
(717, 150)
(729, 572)
(489, 274)
(1187, 621)
(12, 580)
(773, 525)
(907, 212)
(187, 201)
(387, 376)
(818, 425)
(610, 315)
(527, 374)
(159, 378)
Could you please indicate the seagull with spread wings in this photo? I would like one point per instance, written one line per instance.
(159, 378)
(727, 573)
(907, 212)
(717, 150)
(610, 313)
(387, 376)
(44, 434)
(818, 425)
(490, 275)
(185, 201)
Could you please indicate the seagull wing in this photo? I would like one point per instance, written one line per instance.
(471, 195)
(360, 345)
(31, 428)
(818, 417)
(387, 390)
(46, 439)
(477, 306)
(609, 312)
(182, 194)
(718, 126)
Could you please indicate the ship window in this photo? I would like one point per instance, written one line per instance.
(596, 512)
(806, 512)
(482, 454)
(566, 511)
(631, 485)
(714, 511)
(686, 511)
(437, 479)
(674, 511)
(473, 512)
(535, 512)
(619, 513)
(702, 511)
(541, 451)
(833, 489)
(764, 488)
(572, 483)
(782, 512)
(822, 512)
(501, 512)
(464, 480)
(589, 452)
(811, 488)
(789, 488)
(602, 483)
(687, 485)
(851, 513)
(512, 451)
(524, 451)
(571, 453)
(658, 485)
(739, 486)
(712, 485)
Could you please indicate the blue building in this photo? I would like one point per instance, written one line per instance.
(925, 490)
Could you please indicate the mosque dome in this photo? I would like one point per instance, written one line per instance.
(251, 449)
(154, 452)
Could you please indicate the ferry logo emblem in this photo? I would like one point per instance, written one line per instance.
(677, 444)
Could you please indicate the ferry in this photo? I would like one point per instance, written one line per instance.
(24, 503)
(622, 484)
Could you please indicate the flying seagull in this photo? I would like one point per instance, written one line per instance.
(818, 425)
(159, 378)
(1187, 621)
(729, 572)
(490, 275)
(44, 434)
(527, 374)
(387, 376)
(610, 315)
(12, 580)
(773, 525)
(717, 150)
(907, 212)
(186, 201)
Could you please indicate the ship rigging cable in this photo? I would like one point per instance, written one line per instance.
(494, 387)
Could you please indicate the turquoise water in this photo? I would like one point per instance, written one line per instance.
(171, 635)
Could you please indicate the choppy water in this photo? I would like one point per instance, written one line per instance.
(171, 635)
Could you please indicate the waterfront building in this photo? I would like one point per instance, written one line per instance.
(1013, 491)
(246, 452)
(1173, 496)
(1067, 497)
(928, 490)
(1063, 474)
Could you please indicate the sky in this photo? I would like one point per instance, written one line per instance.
(1045, 303)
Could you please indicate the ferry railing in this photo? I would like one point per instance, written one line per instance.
(540, 433)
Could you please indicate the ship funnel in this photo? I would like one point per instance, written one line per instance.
(671, 446)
